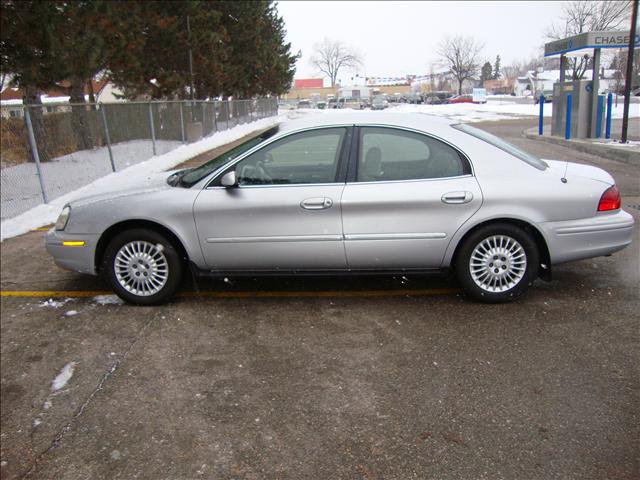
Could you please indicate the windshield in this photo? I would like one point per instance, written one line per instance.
(502, 145)
(193, 176)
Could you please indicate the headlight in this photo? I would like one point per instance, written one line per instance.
(63, 218)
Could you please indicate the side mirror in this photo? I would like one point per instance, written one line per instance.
(229, 179)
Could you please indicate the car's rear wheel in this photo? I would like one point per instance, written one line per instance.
(497, 263)
(143, 267)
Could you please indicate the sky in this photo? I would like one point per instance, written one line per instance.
(400, 38)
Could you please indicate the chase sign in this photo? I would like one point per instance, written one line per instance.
(608, 39)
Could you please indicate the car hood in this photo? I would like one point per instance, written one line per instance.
(579, 170)
(135, 185)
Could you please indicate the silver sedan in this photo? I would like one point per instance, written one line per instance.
(350, 193)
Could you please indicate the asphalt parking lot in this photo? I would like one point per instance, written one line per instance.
(312, 378)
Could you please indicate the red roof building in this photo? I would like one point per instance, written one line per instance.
(308, 83)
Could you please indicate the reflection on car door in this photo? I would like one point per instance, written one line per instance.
(411, 194)
(285, 212)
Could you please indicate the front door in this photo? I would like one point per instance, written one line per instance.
(411, 194)
(284, 214)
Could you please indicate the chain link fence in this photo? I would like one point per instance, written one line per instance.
(79, 143)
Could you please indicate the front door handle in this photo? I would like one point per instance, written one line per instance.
(457, 197)
(316, 203)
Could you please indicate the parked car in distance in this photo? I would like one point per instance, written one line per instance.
(321, 104)
(418, 194)
(285, 106)
(349, 102)
(413, 97)
(332, 103)
(305, 104)
(436, 98)
(548, 96)
(379, 103)
(466, 98)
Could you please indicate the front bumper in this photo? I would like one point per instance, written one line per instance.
(72, 257)
(603, 234)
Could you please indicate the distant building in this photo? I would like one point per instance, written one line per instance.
(308, 83)
(501, 86)
(103, 91)
(354, 92)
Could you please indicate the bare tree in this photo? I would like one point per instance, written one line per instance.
(580, 16)
(461, 56)
(329, 56)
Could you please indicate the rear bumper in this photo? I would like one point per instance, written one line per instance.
(586, 238)
(79, 258)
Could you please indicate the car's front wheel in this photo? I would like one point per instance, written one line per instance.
(497, 263)
(143, 267)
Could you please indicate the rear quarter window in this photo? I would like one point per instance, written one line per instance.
(503, 145)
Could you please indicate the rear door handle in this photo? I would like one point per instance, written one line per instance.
(457, 197)
(316, 203)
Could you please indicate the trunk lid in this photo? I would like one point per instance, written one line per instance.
(570, 169)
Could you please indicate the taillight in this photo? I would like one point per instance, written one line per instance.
(610, 199)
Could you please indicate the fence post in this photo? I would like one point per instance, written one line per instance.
(106, 136)
(607, 128)
(204, 118)
(226, 103)
(184, 140)
(541, 120)
(153, 131)
(215, 120)
(34, 152)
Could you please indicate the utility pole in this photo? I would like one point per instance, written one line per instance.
(190, 57)
(627, 86)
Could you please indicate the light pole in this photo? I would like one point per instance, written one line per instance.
(627, 85)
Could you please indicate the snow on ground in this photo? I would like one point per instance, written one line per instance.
(21, 188)
(63, 377)
(46, 214)
(494, 110)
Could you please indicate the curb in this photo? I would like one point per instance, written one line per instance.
(612, 153)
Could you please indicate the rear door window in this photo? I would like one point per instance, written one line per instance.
(388, 154)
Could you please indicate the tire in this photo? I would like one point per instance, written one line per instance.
(497, 263)
(142, 267)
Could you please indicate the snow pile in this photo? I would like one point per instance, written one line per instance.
(51, 303)
(46, 214)
(63, 377)
(107, 300)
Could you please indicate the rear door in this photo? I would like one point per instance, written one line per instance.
(285, 212)
(410, 193)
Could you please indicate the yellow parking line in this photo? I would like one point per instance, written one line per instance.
(52, 293)
(250, 294)
(40, 229)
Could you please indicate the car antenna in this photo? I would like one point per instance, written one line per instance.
(564, 177)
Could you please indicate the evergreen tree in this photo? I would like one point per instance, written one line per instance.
(496, 68)
(148, 54)
(238, 49)
(25, 53)
(79, 47)
(485, 72)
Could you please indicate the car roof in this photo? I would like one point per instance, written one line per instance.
(417, 121)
